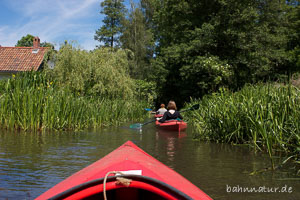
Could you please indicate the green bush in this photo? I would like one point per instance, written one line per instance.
(101, 72)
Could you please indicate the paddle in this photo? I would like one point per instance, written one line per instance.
(139, 125)
(148, 109)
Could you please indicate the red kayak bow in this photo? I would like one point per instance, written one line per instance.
(126, 173)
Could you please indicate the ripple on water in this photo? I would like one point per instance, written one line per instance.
(32, 163)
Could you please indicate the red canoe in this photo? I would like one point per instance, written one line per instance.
(143, 177)
(172, 125)
(158, 115)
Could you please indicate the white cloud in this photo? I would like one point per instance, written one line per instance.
(54, 21)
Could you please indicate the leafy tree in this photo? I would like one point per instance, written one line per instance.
(114, 11)
(146, 90)
(47, 44)
(25, 41)
(293, 24)
(244, 40)
(148, 9)
(137, 38)
(100, 72)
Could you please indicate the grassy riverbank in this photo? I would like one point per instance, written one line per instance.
(31, 102)
(84, 90)
(265, 116)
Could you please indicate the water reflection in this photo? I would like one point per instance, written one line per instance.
(172, 144)
(30, 163)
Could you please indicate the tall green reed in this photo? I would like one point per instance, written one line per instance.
(32, 101)
(266, 116)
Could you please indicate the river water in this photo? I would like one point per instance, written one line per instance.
(31, 163)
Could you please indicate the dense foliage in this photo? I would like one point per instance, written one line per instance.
(139, 40)
(100, 72)
(249, 36)
(191, 48)
(265, 116)
(84, 90)
(27, 41)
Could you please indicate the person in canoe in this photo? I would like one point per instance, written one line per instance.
(172, 112)
(162, 109)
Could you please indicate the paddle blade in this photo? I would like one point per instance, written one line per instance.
(148, 109)
(136, 126)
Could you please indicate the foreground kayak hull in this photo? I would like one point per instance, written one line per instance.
(172, 125)
(148, 176)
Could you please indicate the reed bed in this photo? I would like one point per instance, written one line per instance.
(31, 101)
(265, 116)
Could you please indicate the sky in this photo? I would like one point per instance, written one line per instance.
(52, 21)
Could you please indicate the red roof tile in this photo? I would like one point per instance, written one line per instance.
(15, 59)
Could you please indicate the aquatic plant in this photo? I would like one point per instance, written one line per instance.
(33, 101)
(265, 116)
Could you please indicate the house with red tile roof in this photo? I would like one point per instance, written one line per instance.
(20, 59)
